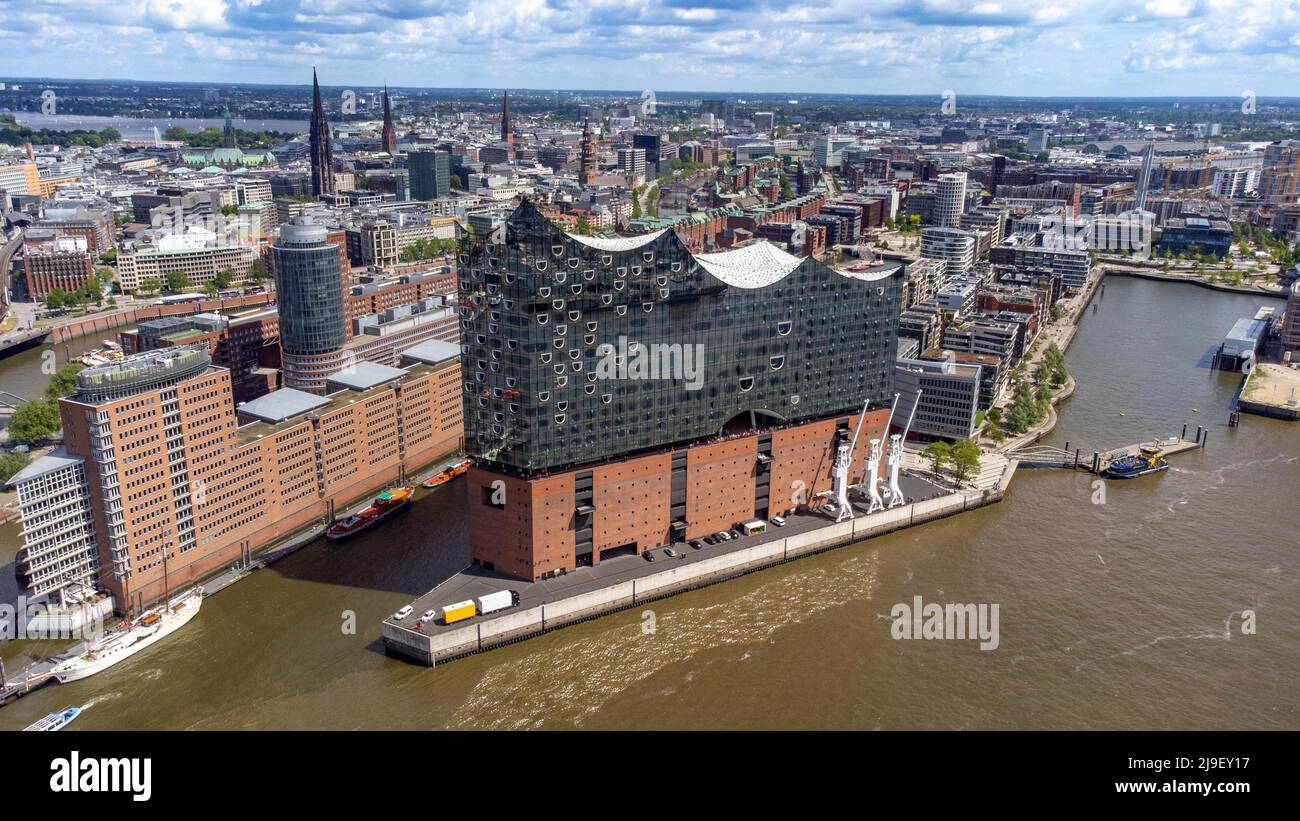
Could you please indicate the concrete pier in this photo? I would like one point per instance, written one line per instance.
(630, 581)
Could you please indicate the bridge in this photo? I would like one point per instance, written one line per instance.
(1095, 461)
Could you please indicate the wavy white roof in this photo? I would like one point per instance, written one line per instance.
(756, 265)
(617, 243)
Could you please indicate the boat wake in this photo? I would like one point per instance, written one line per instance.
(567, 680)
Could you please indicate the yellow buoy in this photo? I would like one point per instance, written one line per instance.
(1194, 410)
(1121, 413)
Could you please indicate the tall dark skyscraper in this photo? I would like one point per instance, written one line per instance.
(507, 133)
(389, 135)
(228, 139)
(430, 174)
(322, 156)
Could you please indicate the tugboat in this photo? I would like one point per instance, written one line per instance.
(447, 474)
(385, 506)
(1150, 458)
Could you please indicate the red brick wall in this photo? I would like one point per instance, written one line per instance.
(720, 485)
(632, 501)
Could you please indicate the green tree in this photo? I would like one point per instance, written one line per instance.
(10, 463)
(34, 421)
(58, 298)
(257, 272)
(210, 288)
(965, 459)
(224, 279)
(939, 454)
(149, 286)
(64, 381)
(177, 281)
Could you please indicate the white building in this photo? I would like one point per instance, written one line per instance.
(58, 529)
(952, 245)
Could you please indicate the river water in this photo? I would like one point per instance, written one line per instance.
(142, 128)
(1127, 614)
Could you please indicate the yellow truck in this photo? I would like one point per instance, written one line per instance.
(459, 611)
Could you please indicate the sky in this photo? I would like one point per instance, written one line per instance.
(1013, 47)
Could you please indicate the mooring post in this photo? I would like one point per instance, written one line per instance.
(1182, 437)
(1096, 461)
(1076, 458)
(1198, 433)
(1205, 439)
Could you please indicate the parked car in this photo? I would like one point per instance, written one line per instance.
(403, 613)
(428, 616)
(710, 540)
(723, 536)
(696, 543)
(648, 556)
(736, 534)
(779, 521)
(670, 553)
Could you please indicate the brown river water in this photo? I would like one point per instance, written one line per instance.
(1127, 614)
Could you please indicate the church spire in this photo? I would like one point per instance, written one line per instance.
(322, 155)
(388, 137)
(587, 169)
(228, 138)
(507, 133)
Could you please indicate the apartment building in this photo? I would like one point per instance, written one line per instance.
(200, 265)
(180, 481)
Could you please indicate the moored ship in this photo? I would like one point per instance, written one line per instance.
(130, 637)
(1150, 458)
(447, 474)
(384, 507)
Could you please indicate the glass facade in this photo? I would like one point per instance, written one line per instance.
(430, 174)
(576, 350)
(309, 285)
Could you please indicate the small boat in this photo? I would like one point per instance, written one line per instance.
(383, 507)
(54, 721)
(447, 474)
(1148, 459)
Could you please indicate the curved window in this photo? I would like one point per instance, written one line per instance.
(541, 265)
(783, 328)
(746, 383)
(777, 362)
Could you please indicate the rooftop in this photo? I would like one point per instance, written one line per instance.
(362, 376)
(52, 461)
(279, 405)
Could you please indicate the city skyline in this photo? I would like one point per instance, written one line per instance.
(1159, 48)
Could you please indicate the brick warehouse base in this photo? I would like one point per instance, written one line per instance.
(532, 527)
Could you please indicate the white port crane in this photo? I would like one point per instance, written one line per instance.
(894, 493)
(840, 472)
(869, 478)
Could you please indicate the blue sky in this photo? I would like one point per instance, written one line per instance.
(1042, 48)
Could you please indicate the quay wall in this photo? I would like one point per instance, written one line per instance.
(487, 634)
